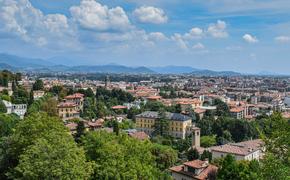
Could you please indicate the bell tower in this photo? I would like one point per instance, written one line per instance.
(195, 137)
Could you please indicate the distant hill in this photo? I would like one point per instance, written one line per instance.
(191, 70)
(173, 69)
(22, 62)
(16, 63)
(110, 69)
(215, 73)
(4, 66)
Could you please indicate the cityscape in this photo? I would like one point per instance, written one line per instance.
(123, 90)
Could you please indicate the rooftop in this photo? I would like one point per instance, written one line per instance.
(208, 168)
(241, 148)
(170, 116)
(75, 96)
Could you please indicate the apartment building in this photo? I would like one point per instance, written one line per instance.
(179, 124)
(77, 99)
(68, 110)
(238, 112)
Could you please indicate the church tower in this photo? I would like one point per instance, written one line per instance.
(107, 82)
(195, 137)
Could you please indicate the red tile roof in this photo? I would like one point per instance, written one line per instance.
(75, 96)
(199, 110)
(202, 176)
(154, 97)
(119, 107)
(236, 109)
(139, 135)
(242, 148)
(197, 164)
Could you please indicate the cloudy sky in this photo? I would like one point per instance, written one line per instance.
(240, 35)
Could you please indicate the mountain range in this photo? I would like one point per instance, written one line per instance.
(17, 63)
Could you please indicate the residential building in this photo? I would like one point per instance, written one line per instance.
(68, 110)
(77, 99)
(247, 150)
(179, 124)
(8, 89)
(18, 109)
(194, 170)
(38, 94)
(188, 104)
(237, 112)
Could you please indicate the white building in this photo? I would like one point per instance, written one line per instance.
(246, 150)
(18, 109)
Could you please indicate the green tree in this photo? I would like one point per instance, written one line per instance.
(165, 156)
(3, 108)
(120, 157)
(50, 107)
(20, 96)
(89, 111)
(38, 85)
(161, 126)
(7, 124)
(192, 154)
(276, 135)
(31, 138)
(52, 157)
(132, 112)
(80, 130)
(228, 168)
(46, 104)
(116, 128)
(222, 108)
(208, 141)
(206, 155)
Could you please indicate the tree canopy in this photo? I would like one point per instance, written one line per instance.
(123, 157)
(42, 148)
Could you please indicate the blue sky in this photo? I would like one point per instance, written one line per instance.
(242, 35)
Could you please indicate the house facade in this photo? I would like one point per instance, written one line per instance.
(18, 109)
(68, 110)
(193, 170)
(246, 150)
(179, 124)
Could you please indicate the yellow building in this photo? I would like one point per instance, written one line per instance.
(179, 125)
(67, 111)
(77, 99)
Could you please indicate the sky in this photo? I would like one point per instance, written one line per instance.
(248, 36)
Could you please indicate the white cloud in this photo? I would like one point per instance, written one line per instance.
(21, 19)
(282, 39)
(157, 36)
(92, 15)
(194, 33)
(198, 46)
(218, 30)
(250, 39)
(177, 38)
(149, 14)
